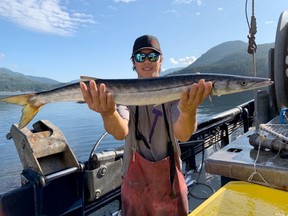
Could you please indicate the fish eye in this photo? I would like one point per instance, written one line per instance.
(243, 83)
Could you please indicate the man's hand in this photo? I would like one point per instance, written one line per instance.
(186, 123)
(98, 99)
(190, 100)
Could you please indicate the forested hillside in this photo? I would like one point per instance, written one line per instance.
(13, 81)
(231, 58)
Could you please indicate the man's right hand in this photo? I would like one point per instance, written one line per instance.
(98, 99)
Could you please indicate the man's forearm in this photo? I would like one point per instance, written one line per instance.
(185, 126)
(115, 125)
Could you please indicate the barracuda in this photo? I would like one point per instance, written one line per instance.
(136, 91)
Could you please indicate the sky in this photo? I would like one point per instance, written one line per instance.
(64, 39)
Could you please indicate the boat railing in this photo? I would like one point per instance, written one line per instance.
(217, 131)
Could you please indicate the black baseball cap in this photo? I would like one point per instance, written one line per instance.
(146, 42)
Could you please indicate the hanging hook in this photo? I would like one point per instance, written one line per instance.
(252, 46)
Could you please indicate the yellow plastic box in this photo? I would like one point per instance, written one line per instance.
(242, 198)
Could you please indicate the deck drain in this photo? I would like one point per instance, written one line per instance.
(236, 150)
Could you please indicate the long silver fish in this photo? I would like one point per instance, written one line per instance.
(136, 91)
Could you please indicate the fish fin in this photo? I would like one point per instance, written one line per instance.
(28, 113)
(87, 78)
(29, 110)
(20, 100)
(211, 99)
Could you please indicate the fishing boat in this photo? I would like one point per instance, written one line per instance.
(247, 167)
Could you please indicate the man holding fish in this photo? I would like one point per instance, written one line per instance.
(152, 114)
(152, 180)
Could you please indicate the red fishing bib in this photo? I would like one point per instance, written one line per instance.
(146, 189)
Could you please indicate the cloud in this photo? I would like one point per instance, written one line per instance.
(112, 7)
(269, 22)
(198, 2)
(44, 16)
(15, 66)
(124, 1)
(171, 12)
(183, 61)
(173, 61)
(2, 56)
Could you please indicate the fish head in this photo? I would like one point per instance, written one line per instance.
(235, 84)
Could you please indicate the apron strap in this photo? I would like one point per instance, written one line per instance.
(170, 154)
(138, 135)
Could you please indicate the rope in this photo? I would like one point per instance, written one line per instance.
(255, 172)
(252, 46)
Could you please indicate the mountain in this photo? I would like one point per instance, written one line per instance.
(14, 81)
(33, 78)
(231, 58)
(228, 58)
(169, 71)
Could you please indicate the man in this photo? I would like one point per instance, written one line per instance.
(152, 181)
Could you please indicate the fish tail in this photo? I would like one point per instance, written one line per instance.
(29, 109)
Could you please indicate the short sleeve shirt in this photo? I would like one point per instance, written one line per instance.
(151, 124)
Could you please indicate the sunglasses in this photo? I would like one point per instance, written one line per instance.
(152, 56)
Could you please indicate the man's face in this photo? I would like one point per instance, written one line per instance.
(148, 69)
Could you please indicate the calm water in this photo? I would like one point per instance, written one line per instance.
(81, 127)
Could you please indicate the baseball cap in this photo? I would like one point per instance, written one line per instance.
(146, 42)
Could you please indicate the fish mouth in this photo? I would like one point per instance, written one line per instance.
(264, 83)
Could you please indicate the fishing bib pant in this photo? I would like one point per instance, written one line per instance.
(146, 189)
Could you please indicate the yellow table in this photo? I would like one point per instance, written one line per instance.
(242, 198)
